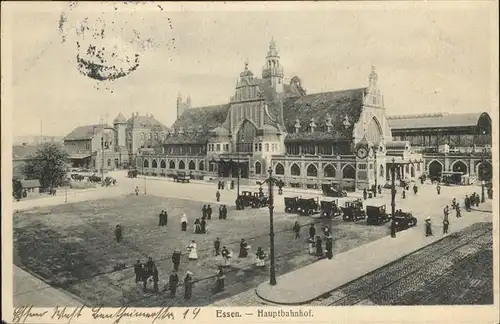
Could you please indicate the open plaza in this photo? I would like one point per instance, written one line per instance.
(78, 254)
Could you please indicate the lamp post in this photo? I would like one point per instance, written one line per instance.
(143, 174)
(271, 181)
(393, 199)
(347, 124)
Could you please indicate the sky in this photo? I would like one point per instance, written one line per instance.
(429, 58)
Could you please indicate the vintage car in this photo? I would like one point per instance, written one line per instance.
(331, 190)
(132, 173)
(376, 215)
(307, 206)
(253, 199)
(330, 208)
(291, 205)
(403, 220)
(455, 178)
(353, 210)
(182, 176)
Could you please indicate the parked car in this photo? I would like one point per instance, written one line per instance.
(253, 199)
(330, 208)
(182, 176)
(376, 215)
(403, 220)
(331, 190)
(353, 210)
(132, 173)
(308, 206)
(291, 204)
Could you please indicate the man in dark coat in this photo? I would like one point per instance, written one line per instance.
(188, 285)
(329, 247)
(365, 194)
(457, 208)
(404, 193)
(467, 203)
(296, 229)
(155, 279)
(219, 283)
(438, 189)
(217, 246)
(319, 246)
(160, 219)
(312, 231)
(217, 195)
(224, 212)
(243, 249)
(209, 212)
(446, 224)
(138, 271)
(176, 259)
(428, 228)
(118, 233)
(150, 265)
(203, 225)
(218, 185)
(415, 189)
(204, 211)
(478, 200)
(221, 212)
(173, 281)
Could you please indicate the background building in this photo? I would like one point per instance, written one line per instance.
(307, 139)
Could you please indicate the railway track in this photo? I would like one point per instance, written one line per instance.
(388, 284)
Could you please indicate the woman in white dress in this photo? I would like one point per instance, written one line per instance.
(312, 247)
(193, 253)
(260, 258)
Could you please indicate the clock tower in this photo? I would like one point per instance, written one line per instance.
(365, 160)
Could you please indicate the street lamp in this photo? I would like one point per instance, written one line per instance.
(239, 139)
(393, 199)
(143, 174)
(271, 181)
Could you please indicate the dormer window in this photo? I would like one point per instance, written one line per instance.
(297, 126)
(312, 125)
(328, 124)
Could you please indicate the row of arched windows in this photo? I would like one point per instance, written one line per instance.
(329, 171)
(171, 164)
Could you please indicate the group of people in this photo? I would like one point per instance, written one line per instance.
(145, 273)
(316, 243)
(407, 188)
(374, 190)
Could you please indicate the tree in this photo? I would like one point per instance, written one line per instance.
(48, 165)
(17, 189)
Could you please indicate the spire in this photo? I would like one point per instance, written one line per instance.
(373, 77)
(273, 52)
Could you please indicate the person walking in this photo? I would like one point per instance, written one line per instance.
(209, 212)
(319, 247)
(155, 279)
(243, 249)
(446, 212)
(173, 281)
(183, 222)
(188, 285)
(446, 224)
(217, 195)
(176, 259)
(329, 247)
(160, 219)
(118, 233)
(415, 189)
(404, 194)
(224, 212)
(217, 246)
(457, 208)
(219, 281)
(312, 231)
(296, 229)
(221, 211)
(438, 189)
(226, 255)
(193, 252)
(365, 194)
(203, 226)
(428, 228)
(138, 271)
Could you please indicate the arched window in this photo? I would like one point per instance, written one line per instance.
(171, 165)
(182, 165)
(154, 164)
(146, 163)
(295, 170)
(142, 137)
(258, 168)
(210, 167)
(279, 170)
(267, 147)
(201, 166)
(374, 131)
(459, 166)
(312, 171)
(163, 164)
(191, 165)
(109, 162)
(349, 172)
(329, 171)
(435, 168)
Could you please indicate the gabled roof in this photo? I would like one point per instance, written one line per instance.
(147, 121)
(84, 132)
(200, 121)
(20, 152)
(440, 120)
(335, 104)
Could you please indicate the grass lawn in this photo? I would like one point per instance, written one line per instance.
(72, 246)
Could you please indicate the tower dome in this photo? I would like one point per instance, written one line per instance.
(120, 119)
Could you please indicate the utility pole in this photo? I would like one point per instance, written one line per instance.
(102, 151)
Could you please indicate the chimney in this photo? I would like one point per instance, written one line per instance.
(297, 125)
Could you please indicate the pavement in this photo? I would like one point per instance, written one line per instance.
(29, 290)
(310, 282)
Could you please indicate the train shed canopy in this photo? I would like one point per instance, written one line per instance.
(480, 121)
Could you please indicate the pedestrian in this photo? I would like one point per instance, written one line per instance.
(160, 219)
(165, 218)
(219, 282)
(150, 265)
(326, 231)
(446, 212)
(217, 195)
(138, 271)
(218, 185)
(365, 194)
(224, 211)
(176, 259)
(188, 285)
(312, 246)
(319, 246)
(260, 257)
(197, 226)
(428, 228)
(209, 212)
(226, 255)
(155, 279)
(137, 190)
(467, 203)
(221, 212)
(415, 189)
(243, 249)
(379, 189)
(204, 211)
(438, 189)
(173, 281)
(296, 229)
(217, 246)
(193, 252)
(203, 226)
(222, 185)
(477, 200)
(118, 233)
(183, 222)
(329, 247)
(312, 231)
(446, 224)
(404, 193)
